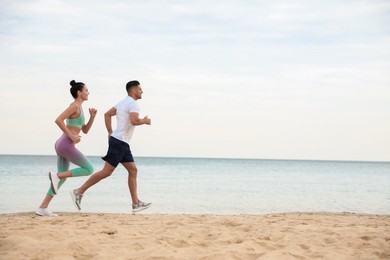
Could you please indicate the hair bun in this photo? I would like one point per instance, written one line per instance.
(73, 83)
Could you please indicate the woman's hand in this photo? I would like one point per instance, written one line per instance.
(92, 111)
(75, 138)
(85, 128)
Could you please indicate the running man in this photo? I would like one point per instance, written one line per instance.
(127, 117)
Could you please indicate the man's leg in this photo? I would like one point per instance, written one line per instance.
(132, 180)
(137, 205)
(77, 194)
(107, 170)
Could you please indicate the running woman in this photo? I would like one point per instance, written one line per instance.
(127, 118)
(65, 145)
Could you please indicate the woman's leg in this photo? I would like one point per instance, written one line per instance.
(62, 166)
(66, 148)
(77, 158)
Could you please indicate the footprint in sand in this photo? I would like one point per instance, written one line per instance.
(110, 232)
(367, 238)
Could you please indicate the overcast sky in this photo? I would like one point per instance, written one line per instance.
(239, 79)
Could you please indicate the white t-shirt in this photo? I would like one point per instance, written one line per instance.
(124, 129)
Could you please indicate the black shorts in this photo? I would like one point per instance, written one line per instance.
(118, 152)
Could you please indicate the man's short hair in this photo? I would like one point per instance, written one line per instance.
(130, 84)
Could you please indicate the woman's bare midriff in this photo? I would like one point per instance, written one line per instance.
(73, 129)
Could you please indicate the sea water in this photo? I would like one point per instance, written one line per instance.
(206, 186)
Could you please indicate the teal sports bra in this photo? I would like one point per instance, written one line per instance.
(78, 121)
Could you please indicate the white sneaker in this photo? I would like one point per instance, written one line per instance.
(54, 181)
(45, 213)
(141, 206)
(76, 198)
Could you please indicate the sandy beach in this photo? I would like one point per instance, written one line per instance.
(126, 236)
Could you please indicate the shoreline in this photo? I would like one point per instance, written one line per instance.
(296, 235)
(145, 213)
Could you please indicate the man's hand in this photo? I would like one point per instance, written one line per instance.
(147, 120)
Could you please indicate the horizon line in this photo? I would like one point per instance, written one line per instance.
(222, 158)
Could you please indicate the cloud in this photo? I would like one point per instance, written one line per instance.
(261, 75)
